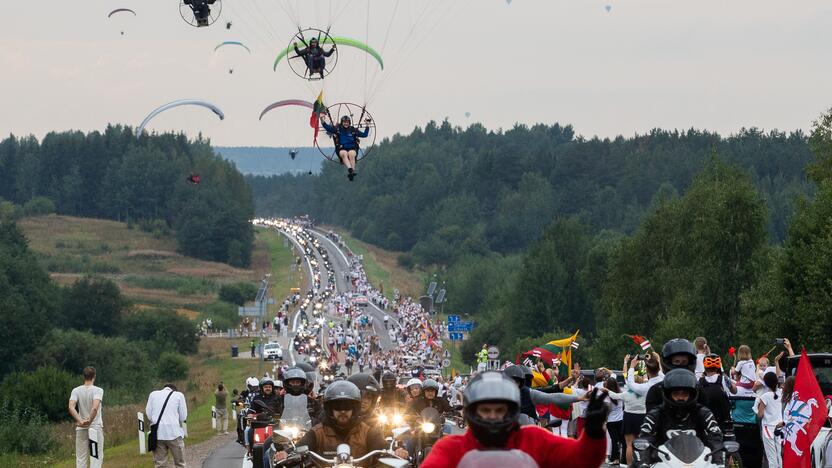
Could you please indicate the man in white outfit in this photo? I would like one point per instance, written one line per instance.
(170, 434)
(85, 409)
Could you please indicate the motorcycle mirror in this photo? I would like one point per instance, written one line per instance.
(399, 431)
(393, 462)
(641, 444)
(731, 446)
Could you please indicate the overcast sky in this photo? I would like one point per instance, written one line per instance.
(712, 64)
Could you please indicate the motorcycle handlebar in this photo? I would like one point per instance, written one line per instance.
(332, 461)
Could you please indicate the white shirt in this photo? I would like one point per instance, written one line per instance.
(84, 396)
(700, 365)
(748, 375)
(773, 413)
(641, 389)
(176, 412)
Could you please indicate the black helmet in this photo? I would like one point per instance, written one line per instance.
(342, 394)
(680, 379)
(527, 375)
(492, 387)
(388, 381)
(678, 346)
(266, 381)
(345, 118)
(295, 374)
(310, 374)
(516, 373)
(369, 387)
(430, 384)
(314, 39)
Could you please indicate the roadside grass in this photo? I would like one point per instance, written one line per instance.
(281, 258)
(382, 267)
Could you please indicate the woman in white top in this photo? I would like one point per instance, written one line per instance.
(770, 411)
(615, 420)
(745, 372)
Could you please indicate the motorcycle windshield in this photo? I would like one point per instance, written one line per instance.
(430, 414)
(497, 459)
(686, 447)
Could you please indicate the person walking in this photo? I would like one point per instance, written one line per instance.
(85, 409)
(167, 409)
(221, 406)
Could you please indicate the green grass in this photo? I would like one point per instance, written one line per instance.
(281, 257)
(186, 286)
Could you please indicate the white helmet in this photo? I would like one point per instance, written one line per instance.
(414, 381)
(252, 382)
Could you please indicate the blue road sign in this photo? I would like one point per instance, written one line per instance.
(456, 336)
(453, 318)
(461, 327)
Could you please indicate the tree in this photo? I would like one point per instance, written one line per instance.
(93, 304)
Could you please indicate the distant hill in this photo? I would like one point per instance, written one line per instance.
(271, 160)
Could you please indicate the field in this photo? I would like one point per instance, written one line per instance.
(145, 266)
(383, 268)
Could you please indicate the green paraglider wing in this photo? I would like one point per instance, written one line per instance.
(342, 41)
(181, 102)
(287, 102)
(228, 43)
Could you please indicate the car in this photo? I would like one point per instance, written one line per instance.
(273, 351)
(822, 365)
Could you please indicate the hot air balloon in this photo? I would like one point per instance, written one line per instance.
(467, 114)
(608, 8)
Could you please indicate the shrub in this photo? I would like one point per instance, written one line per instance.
(23, 430)
(167, 330)
(223, 315)
(238, 293)
(44, 391)
(172, 366)
(39, 206)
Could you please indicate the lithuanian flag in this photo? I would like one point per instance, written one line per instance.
(315, 119)
(556, 353)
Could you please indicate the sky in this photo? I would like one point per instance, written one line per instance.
(720, 65)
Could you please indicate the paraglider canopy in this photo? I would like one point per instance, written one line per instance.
(231, 43)
(121, 10)
(182, 102)
(286, 102)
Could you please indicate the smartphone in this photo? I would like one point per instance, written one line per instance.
(779, 341)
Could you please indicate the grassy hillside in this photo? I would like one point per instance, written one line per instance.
(145, 265)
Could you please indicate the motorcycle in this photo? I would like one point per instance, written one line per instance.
(302, 456)
(262, 427)
(427, 432)
(684, 449)
(497, 459)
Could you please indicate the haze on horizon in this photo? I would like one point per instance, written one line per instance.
(711, 64)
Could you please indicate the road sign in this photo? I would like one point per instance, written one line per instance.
(493, 352)
(453, 318)
(446, 354)
(461, 327)
(431, 288)
(446, 363)
(440, 296)
(456, 336)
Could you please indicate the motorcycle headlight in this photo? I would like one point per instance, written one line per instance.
(428, 427)
(294, 431)
(382, 418)
(397, 419)
(312, 358)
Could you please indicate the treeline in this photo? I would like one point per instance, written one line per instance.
(442, 193)
(114, 175)
(50, 333)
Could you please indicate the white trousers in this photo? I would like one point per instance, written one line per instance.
(771, 446)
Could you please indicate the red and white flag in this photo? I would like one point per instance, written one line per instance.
(645, 345)
(803, 417)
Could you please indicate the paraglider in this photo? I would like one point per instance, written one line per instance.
(182, 102)
(198, 13)
(467, 114)
(314, 56)
(293, 153)
(194, 179)
(228, 25)
(322, 39)
(347, 135)
(231, 43)
(122, 11)
(286, 102)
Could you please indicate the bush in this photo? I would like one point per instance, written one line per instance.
(158, 227)
(172, 366)
(186, 286)
(238, 293)
(9, 211)
(93, 304)
(167, 330)
(23, 430)
(44, 391)
(39, 206)
(66, 263)
(224, 316)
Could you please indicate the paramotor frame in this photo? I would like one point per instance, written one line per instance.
(361, 119)
(298, 63)
(186, 11)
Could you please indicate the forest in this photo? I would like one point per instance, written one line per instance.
(537, 232)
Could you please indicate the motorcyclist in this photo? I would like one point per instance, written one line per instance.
(677, 353)
(391, 397)
(429, 398)
(492, 409)
(530, 397)
(679, 412)
(370, 391)
(298, 406)
(265, 406)
(342, 425)
(414, 389)
(716, 386)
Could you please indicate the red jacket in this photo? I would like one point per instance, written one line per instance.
(547, 449)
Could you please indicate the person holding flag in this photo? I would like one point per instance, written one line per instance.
(347, 139)
(803, 416)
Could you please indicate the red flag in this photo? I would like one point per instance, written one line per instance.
(803, 418)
